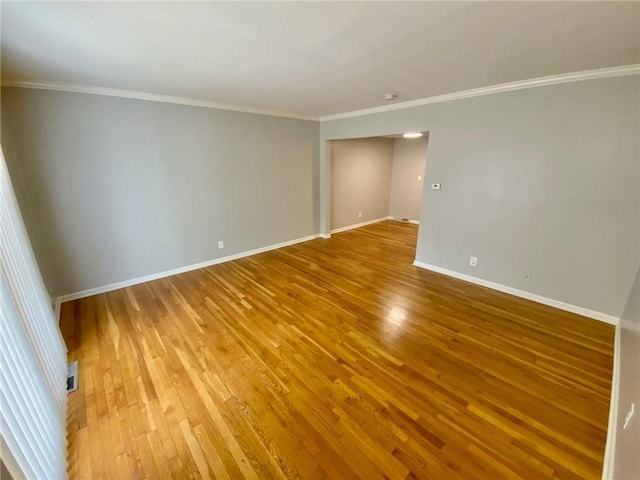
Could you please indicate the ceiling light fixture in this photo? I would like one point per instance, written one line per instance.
(412, 135)
(390, 96)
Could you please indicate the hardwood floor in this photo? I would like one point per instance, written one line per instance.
(333, 359)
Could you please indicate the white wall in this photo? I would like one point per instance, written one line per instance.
(113, 189)
(542, 181)
(409, 159)
(360, 180)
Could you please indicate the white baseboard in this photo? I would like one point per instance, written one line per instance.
(603, 317)
(612, 429)
(358, 225)
(325, 235)
(415, 222)
(155, 276)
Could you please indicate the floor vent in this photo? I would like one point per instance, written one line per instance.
(72, 376)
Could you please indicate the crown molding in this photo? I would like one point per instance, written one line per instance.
(475, 92)
(151, 97)
(504, 87)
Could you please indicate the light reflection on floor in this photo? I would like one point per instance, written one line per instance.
(393, 322)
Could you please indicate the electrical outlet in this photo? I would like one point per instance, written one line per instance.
(627, 419)
(419, 177)
(435, 186)
(359, 214)
(473, 261)
(220, 244)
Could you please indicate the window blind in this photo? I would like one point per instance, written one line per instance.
(33, 356)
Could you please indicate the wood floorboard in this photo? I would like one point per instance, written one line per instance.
(333, 359)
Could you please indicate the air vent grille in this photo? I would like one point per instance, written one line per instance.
(72, 377)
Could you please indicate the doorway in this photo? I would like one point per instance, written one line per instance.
(374, 179)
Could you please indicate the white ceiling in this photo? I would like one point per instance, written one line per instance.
(311, 58)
